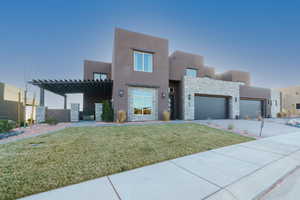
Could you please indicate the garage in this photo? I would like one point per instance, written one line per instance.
(250, 108)
(211, 107)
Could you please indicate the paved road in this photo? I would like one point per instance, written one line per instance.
(241, 172)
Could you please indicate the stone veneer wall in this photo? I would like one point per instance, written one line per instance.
(132, 116)
(192, 86)
(275, 97)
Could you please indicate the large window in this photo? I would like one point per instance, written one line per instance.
(191, 72)
(100, 76)
(142, 102)
(143, 61)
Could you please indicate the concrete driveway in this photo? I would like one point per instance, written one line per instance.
(252, 127)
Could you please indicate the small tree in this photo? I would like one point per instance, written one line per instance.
(107, 112)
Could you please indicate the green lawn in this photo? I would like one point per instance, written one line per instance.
(74, 155)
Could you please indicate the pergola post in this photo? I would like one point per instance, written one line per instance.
(65, 102)
(42, 97)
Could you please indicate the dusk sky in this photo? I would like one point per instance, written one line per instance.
(50, 39)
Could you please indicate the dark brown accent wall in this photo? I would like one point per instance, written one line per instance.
(179, 61)
(89, 99)
(236, 76)
(61, 115)
(91, 67)
(123, 74)
(209, 72)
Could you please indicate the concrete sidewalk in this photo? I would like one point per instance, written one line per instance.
(252, 127)
(243, 171)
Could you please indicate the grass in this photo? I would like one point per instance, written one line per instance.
(74, 155)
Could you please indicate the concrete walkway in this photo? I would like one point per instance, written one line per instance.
(252, 127)
(243, 171)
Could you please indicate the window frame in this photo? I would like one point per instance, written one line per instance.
(189, 68)
(144, 96)
(101, 73)
(135, 68)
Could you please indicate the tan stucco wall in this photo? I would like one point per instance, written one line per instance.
(290, 97)
(9, 102)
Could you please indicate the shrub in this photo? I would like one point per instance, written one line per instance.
(107, 112)
(281, 114)
(51, 121)
(230, 127)
(259, 118)
(121, 116)
(6, 125)
(247, 118)
(166, 116)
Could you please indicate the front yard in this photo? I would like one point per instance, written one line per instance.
(74, 155)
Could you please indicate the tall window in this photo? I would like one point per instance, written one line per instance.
(143, 61)
(298, 106)
(100, 76)
(142, 102)
(191, 72)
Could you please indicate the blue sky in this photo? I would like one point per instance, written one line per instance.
(50, 39)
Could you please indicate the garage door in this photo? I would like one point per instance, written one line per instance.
(250, 108)
(211, 107)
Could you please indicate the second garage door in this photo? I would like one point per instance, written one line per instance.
(207, 107)
(250, 108)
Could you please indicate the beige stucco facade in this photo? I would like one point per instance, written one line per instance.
(290, 98)
(9, 98)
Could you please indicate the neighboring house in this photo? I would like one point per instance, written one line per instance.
(291, 100)
(144, 80)
(11, 102)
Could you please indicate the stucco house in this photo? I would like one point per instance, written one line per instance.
(145, 80)
(290, 98)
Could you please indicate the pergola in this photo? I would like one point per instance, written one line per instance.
(63, 87)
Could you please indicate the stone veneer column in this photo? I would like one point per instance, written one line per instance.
(40, 114)
(74, 112)
(276, 102)
(208, 86)
(98, 112)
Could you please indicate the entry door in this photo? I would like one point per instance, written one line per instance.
(250, 108)
(211, 107)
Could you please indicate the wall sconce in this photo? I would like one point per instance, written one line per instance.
(189, 97)
(163, 95)
(121, 93)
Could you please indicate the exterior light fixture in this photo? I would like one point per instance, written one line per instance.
(121, 93)
(189, 97)
(163, 95)
(235, 99)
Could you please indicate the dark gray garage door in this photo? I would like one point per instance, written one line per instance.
(250, 108)
(211, 107)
